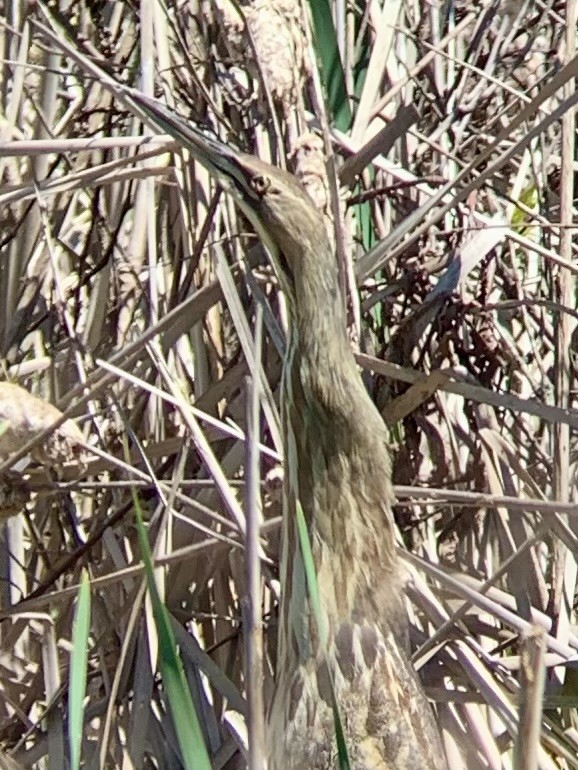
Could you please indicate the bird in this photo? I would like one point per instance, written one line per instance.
(343, 661)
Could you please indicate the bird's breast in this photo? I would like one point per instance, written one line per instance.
(386, 720)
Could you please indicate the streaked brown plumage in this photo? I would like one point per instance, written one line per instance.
(338, 467)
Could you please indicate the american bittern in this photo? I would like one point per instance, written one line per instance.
(337, 467)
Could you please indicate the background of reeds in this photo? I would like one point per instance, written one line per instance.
(128, 295)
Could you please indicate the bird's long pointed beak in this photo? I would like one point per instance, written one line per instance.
(222, 162)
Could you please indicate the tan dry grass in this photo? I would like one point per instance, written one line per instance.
(128, 289)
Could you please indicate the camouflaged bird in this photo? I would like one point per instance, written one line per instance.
(337, 466)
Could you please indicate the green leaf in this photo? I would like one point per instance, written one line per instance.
(529, 199)
(310, 575)
(332, 74)
(188, 731)
(315, 599)
(78, 665)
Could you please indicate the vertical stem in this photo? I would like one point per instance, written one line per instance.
(254, 631)
(565, 282)
(532, 678)
(565, 564)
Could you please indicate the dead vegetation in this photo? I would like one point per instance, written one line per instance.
(128, 293)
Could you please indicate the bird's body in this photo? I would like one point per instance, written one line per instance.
(386, 719)
(337, 470)
(337, 467)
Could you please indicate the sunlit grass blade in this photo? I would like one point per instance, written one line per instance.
(188, 731)
(314, 598)
(78, 664)
(520, 216)
(332, 73)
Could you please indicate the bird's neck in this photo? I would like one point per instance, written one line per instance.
(337, 469)
(320, 344)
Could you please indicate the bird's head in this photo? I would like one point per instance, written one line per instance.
(282, 213)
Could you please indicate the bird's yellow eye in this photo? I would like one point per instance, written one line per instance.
(260, 183)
